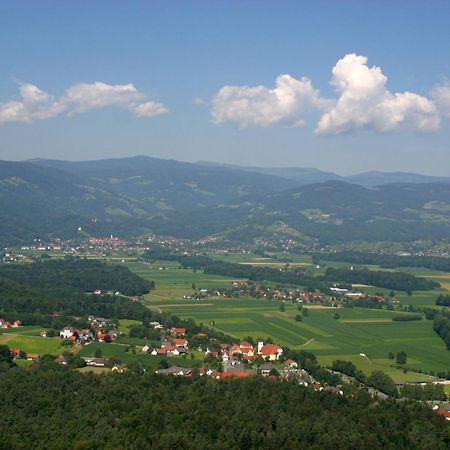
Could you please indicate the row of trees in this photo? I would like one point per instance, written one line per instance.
(441, 325)
(387, 261)
(443, 300)
(391, 280)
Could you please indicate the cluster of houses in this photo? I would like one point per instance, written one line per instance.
(245, 288)
(175, 345)
(234, 368)
(5, 324)
(17, 353)
(248, 352)
(361, 296)
(101, 330)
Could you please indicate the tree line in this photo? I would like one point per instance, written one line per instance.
(399, 281)
(392, 280)
(386, 261)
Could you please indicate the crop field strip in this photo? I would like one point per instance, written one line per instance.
(358, 330)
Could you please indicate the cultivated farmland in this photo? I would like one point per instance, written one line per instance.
(357, 330)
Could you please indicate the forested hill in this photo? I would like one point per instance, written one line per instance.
(53, 407)
(160, 184)
(307, 175)
(42, 197)
(330, 212)
(132, 196)
(74, 275)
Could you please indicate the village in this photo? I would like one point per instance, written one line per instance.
(336, 298)
(220, 360)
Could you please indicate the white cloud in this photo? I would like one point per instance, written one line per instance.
(366, 103)
(149, 109)
(441, 96)
(36, 104)
(261, 106)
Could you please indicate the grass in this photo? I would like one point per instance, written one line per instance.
(126, 324)
(368, 365)
(25, 331)
(34, 344)
(173, 282)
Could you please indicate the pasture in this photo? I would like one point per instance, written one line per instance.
(33, 344)
(173, 282)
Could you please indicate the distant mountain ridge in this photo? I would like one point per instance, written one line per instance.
(133, 196)
(307, 175)
(330, 212)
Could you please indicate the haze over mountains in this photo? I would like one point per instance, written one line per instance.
(308, 175)
(131, 196)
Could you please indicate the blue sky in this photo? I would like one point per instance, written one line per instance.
(161, 69)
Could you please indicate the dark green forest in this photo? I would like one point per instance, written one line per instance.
(69, 275)
(391, 280)
(51, 292)
(52, 407)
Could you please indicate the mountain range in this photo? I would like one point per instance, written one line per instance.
(304, 176)
(132, 196)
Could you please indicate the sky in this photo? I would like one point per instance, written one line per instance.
(345, 86)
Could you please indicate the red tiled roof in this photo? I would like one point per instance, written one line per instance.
(443, 412)
(231, 374)
(269, 349)
(178, 330)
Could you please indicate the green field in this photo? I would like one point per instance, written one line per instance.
(358, 330)
(33, 344)
(172, 282)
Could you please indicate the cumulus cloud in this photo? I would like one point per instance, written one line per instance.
(285, 104)
(366, 103)
(441, 96)
(36, 104)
